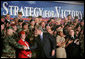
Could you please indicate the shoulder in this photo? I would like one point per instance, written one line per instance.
(20, 41)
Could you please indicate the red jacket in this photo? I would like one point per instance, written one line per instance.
(23, 53)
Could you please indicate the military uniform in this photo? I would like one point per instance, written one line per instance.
(60, 51)
(9, 46)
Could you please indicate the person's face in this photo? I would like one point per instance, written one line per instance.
(15, 28)
(61, 33)
(20, 16)
(69, 28)
(10, 32)
(23, 36)
(20, 23)
(71, 32)
(26, 26)
(33, 23)
(79, 28)
(52, 20)
(50, 31)
(69, 17)
(77, 32)
(43, 24)
(82, 23)
(36, 20)
(75, 24)
(48, 27)
(8, 17)
(76, 20)
(16, 20)
(2, 26)
(65, 19)
(40, 19)
(37, 31)
(58, 22)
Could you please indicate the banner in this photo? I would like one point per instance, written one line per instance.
(45, 9)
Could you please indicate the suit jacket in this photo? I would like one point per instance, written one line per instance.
(23, 53)
(44, 46)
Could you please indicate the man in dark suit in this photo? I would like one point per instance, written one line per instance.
(45, 44)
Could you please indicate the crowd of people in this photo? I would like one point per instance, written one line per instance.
(42, 39)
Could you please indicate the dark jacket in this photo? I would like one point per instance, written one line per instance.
(45, 46)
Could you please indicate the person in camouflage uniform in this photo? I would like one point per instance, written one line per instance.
(19, 26)
(10, 45)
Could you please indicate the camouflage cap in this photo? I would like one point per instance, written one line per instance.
(60, 30)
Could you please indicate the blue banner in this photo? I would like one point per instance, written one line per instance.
(45, 9)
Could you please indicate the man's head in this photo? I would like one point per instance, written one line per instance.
(43, 24)
(40, 18)
(32, 22)
(36, 20)
(20, 14)
(10, 30)
(25, 25)
(58, 27)
(20, 22)
(48, 27)
(14, 26)
(58, 21)
(69, 17)
(76, 18)
(38, 30)
(22, 35)
(71, 32)
(8, 16)
(60, 32)
(82, 22)
(66, 19)
(52, 20)
(50, 31)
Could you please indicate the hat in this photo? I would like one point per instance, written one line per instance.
(60, 30)
(22, 32)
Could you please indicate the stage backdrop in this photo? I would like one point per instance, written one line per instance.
(45, 9)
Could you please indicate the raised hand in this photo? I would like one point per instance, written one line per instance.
(53, 52)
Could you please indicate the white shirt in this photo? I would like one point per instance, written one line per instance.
(41, 35)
